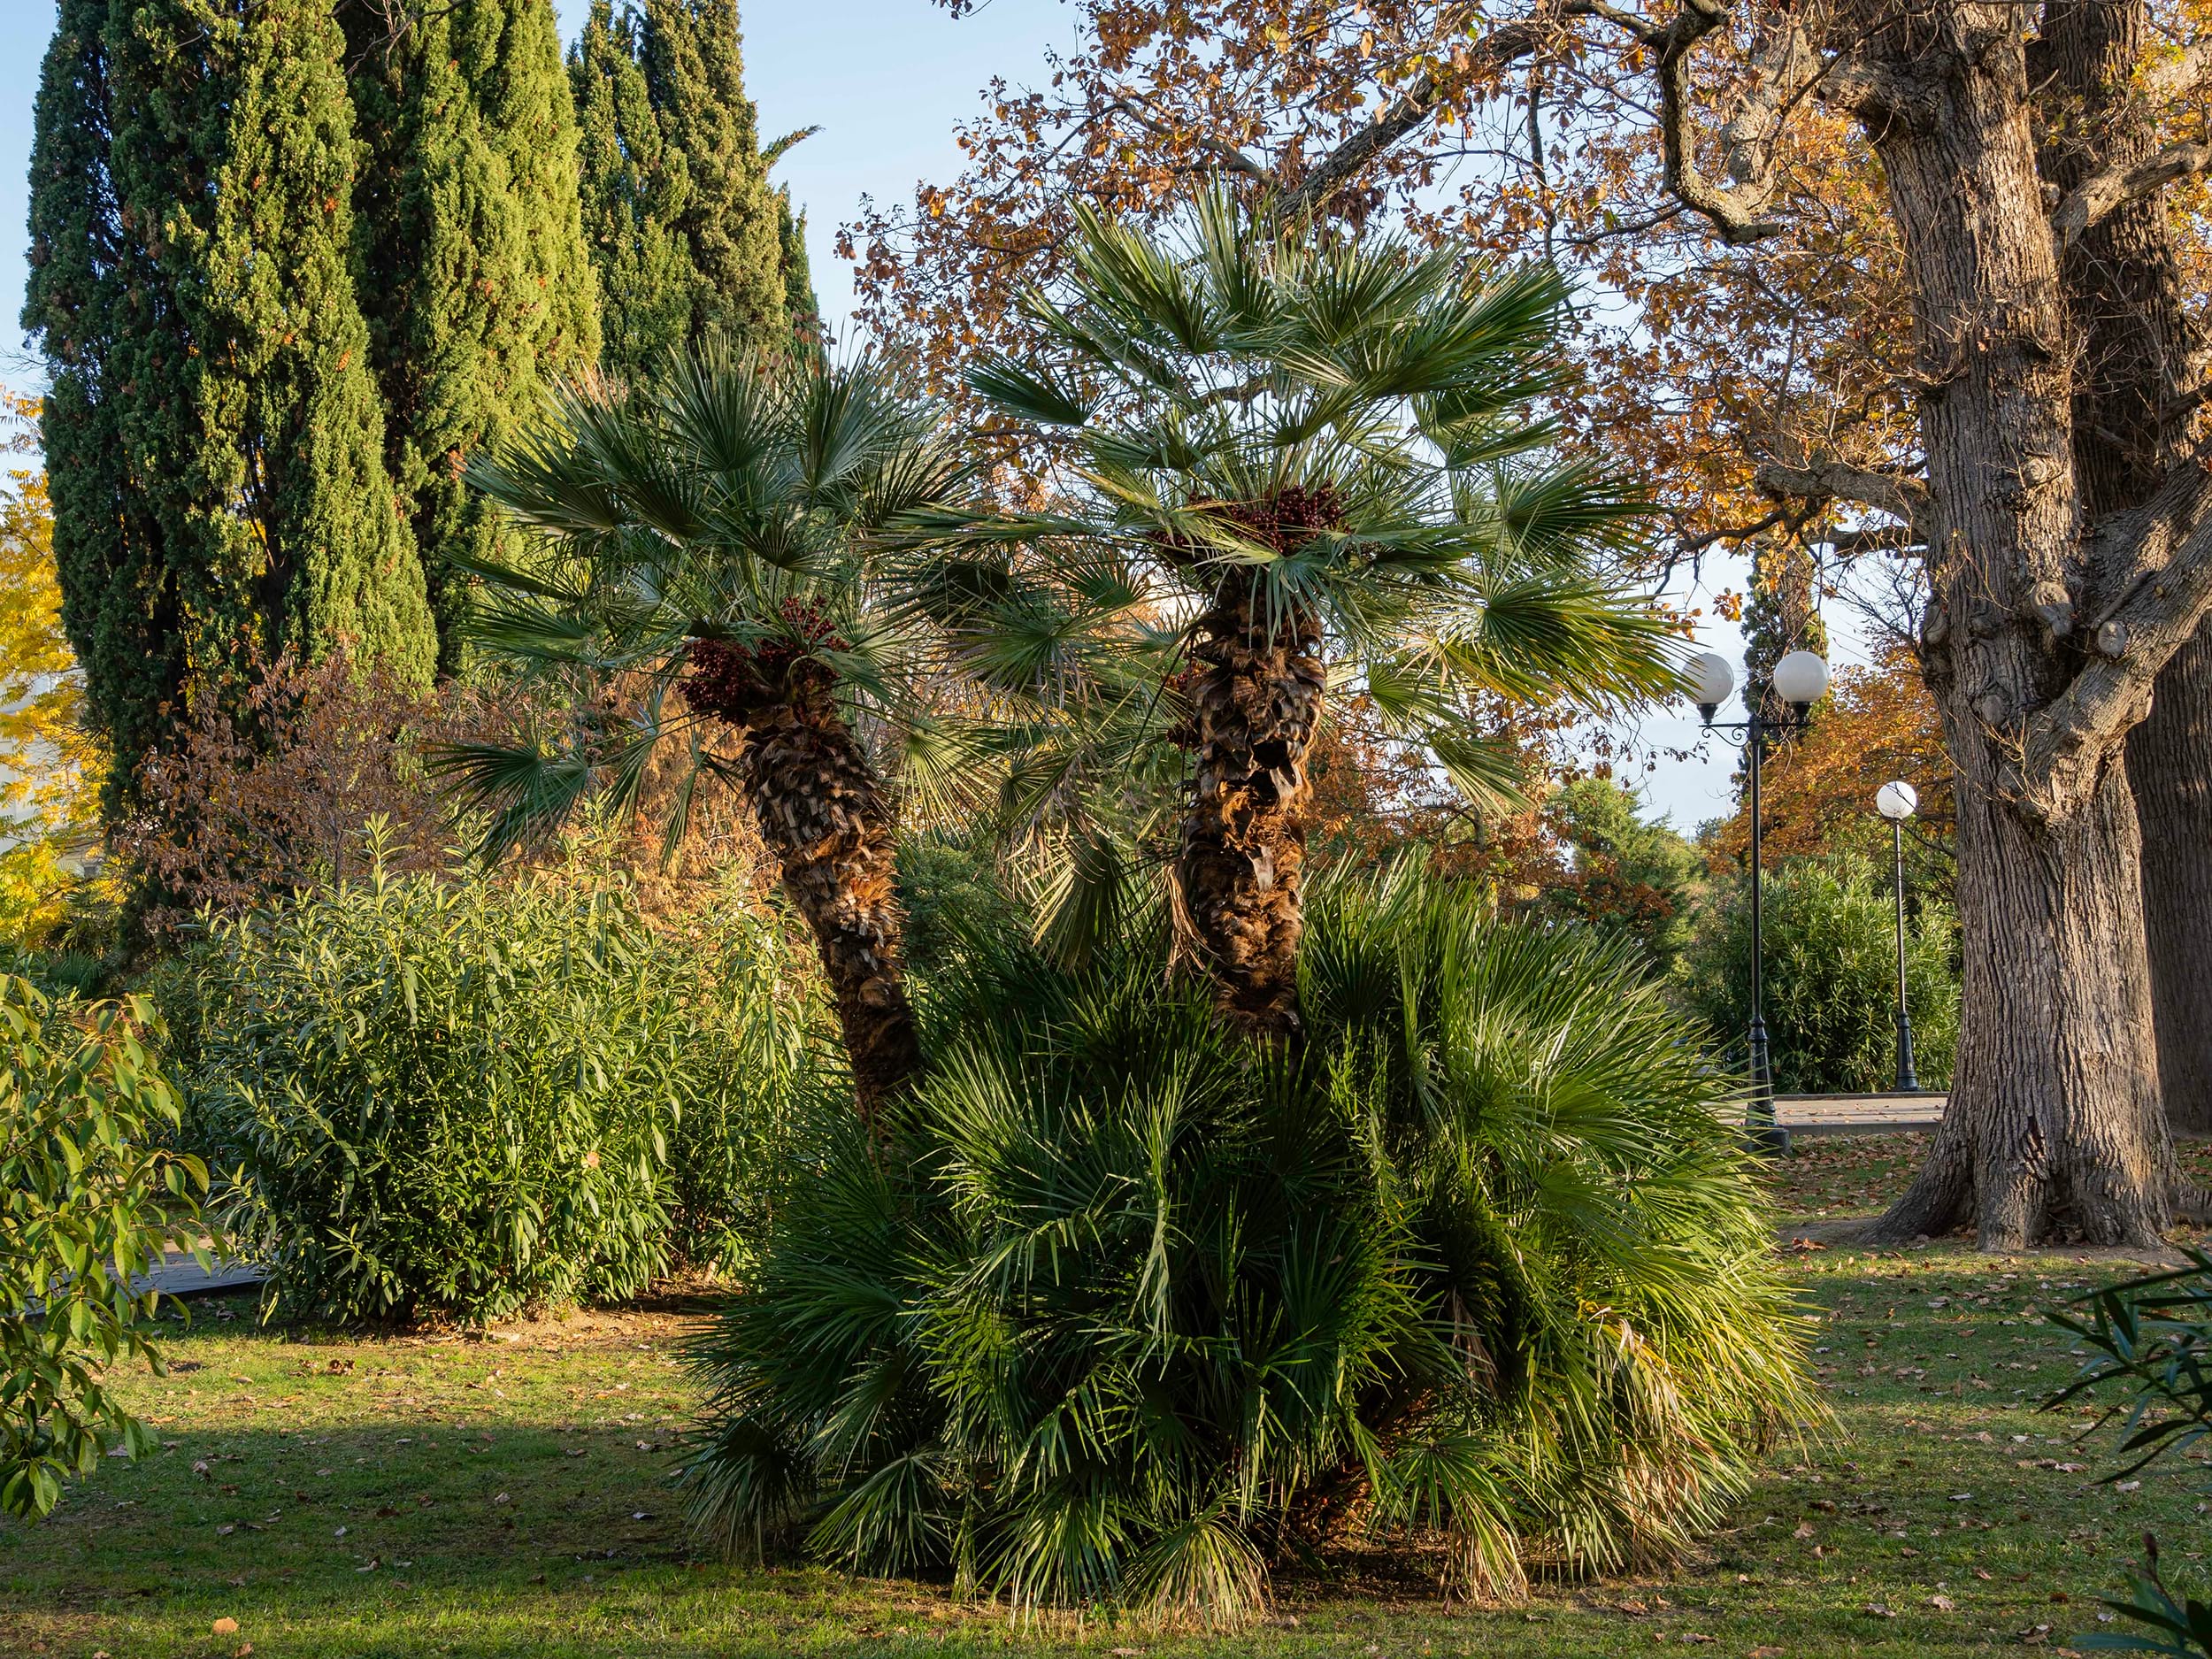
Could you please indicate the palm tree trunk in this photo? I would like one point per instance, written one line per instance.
(1257, 688)
(816, 799)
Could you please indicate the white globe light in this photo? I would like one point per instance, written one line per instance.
(1799, 678)
(1712, 679)
(1897, 802)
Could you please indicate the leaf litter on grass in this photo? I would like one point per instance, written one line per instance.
(1946, 1498)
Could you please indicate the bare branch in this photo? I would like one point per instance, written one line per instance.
(2096, 196)
(1896, 493)
(1415, 106)
(1691, 546)
(1229, 156)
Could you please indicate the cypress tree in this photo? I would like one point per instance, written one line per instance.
(799, 303)
(696, 71)
(477, 285)
(212, 437)
(686, 234)
(634, 186)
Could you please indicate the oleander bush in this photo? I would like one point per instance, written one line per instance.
(1125, 1310)
(464, 1098)
(90, 1198)
(759, 1044)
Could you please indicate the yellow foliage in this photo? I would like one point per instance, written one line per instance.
(51, 766)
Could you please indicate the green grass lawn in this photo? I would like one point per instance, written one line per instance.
(506, 1493)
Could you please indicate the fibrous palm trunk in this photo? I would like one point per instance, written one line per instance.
(2055, 1128)
(1256, 686)
(822, 812)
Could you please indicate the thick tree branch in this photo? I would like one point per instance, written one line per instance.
(2181, 74)
(1736, 210)
(1415, 107)
(1893, 492)
(2068, 742)
(2096, 196)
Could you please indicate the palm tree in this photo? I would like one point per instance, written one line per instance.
(1283, 462)
(707, 537)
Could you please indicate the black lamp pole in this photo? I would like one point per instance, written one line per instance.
(1908, 1083)
(1762, 1127)
(1798, 681)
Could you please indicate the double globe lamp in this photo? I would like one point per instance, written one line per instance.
(1800, 679)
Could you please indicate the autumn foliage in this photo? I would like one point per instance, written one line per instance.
(1876, 725)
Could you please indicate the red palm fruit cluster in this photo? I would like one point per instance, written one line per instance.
(736, 681)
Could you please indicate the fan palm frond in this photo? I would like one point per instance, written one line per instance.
(1480, 1266)
(1297, 442)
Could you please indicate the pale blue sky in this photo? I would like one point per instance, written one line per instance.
(886, 80)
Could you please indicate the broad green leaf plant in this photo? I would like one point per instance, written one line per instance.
(91, 1201)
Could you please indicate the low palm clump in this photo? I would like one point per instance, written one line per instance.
(1134, 1309)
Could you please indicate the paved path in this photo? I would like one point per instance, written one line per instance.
(1858, 1114)
(1801, 1114)
(178, 1275)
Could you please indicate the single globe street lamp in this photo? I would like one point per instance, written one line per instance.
(1898, 802)
(1799, 680)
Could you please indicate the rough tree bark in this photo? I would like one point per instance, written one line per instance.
(2055, 1126)
(1255, 689)
(2142, 356)
(816, 799)
(2170, 764)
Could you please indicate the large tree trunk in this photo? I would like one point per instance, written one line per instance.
(2053, 1128)
(2142, 354)
(1256, 690)
(2170, 765)
(2053, 1131)
(815, 797)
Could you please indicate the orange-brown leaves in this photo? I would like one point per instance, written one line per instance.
(1877, 723)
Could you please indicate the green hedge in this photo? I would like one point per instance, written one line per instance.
(468, 1098)
(1831, 969)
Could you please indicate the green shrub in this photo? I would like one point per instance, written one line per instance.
(1831, 969)
(754, 1011)
(468, 1098)
(1129, 1309)
(948, 889)
(87, 1202)
(1624, 873)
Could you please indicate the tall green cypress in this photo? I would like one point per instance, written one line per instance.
(799, 303)
(696, 70)
(476, 283)
(213, 439)
(634, 185)
(688, 236)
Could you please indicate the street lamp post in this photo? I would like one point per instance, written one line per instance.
(1800, 679)
(1897, 802)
